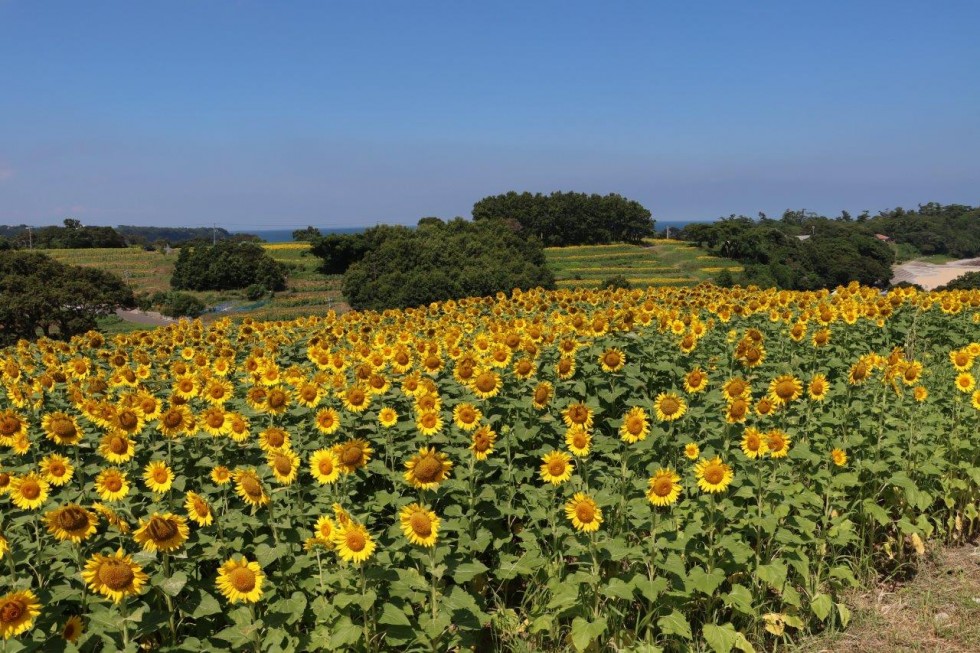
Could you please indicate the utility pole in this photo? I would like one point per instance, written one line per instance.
(30, 238)
(214, 234)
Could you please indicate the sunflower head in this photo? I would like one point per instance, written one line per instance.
(419, 524)
(665, 487)
(556, 467)
(584, 513)
(17, 613)
(240, 580)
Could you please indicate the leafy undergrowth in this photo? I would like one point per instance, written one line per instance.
(937, 610)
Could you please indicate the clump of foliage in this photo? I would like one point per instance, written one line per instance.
(138, 235)
(40, 296)
(174, 304)
(340, 251)
(561, 219)
(73, 235)
(798, 252)
(968, 281)
(256, 291)
(438, 262)
(617, 281)
(308, 235)
(225, 266)
(953, 229)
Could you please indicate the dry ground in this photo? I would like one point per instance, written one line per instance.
(936, 611)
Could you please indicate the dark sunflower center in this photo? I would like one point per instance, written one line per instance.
(429, 420)
(634, 425)
(161, 529)
(480, 443)
(56, 469)
(352, 455)
(523, 367)
(113, 483)
(486, 382)
(427, 469)
(738, 409)
(276, 439)
(585, 512)
(714, 474)
(421, 524)
(662, 487)
(63, 428)
(283, 465)
(200, 507)
(115, 574)
(12, 611)
(752, 443)
(325, 466)
(172, 419)
(30, 489)
(556, 467)
(73, 518)
(118, 445)
(694, 379)
(9, 425)
(579, 414)
(308, 393)
(216, 419)
(242, 579)
(669, 406)
(785, 389)
(251, 485)
(736, 388)
(277, 399)
(355, 541)
(541, 395)
(356, 397)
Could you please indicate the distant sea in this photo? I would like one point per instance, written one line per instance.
(286, 235)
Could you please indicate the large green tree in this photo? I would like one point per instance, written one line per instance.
(225, 266)
(436, 262)
(561, 219)
(40, 296)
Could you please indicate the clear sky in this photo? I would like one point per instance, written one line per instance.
(265, 114)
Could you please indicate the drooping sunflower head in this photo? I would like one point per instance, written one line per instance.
(284, 464)
(427, 469)
(420, 525)
(73, 629)
(353, 454)
(71, 522)
(166, 532)
(542, 395)
(198, 509)
(249, 487)
(665, 487)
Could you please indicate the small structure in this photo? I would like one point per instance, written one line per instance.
(883, 238)
(804, 237)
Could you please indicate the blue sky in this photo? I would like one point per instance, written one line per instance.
(263, 114)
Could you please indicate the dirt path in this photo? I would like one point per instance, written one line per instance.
(930, 275)
(938, 610)
(150, 318)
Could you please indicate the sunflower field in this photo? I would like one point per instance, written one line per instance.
(661, 469)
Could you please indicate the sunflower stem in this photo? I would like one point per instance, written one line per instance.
(433, 596)
(169, 600)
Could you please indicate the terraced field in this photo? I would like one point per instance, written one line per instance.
(308, 292)
(655, 263)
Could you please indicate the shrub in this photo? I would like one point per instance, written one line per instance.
(618, 281)
(177, 304)
(256, 291)
(227, 265)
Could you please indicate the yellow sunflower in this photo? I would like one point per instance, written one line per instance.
(556, 467)
(116, 448)
(695, 381)
(817, 388)
(353, 543)
(692, 451)
(112, 517)
(324, 529)
(485, 384)
(57, 469)
(71, 522)
(612, 360)
(974, 399)
(737, 411)
(61, 428)
(482, 441)
(669, 406)
(578, 414)
(778, 443)
(73, 629)
(736, 388)
(920, 393)
(353, 454)
(579, 441)
(158, 476)
(285, 466)
(115, 576)
(221, 475)
(356, 399)
(387, 417)
(427, 469)
(965, 382)
(665, 487)
(198, 509)
(713, 475)
(542, 395)
(175, 421)
(274, 439)
(419, 524)
(784, 389)
(12, 425)
(166, 532)
(466, 416)
(753, 444)
(584, 513)
(17, 613)
(327, 421)
(839, 457)
(635, 427)
(429, 422)
(240, 580)
(325, 466)
(214, 421)
(28, 492)
(248, 485)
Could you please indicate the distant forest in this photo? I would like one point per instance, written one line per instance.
(803, 250)
(74, 235)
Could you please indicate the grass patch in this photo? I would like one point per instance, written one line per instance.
(655, 262)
